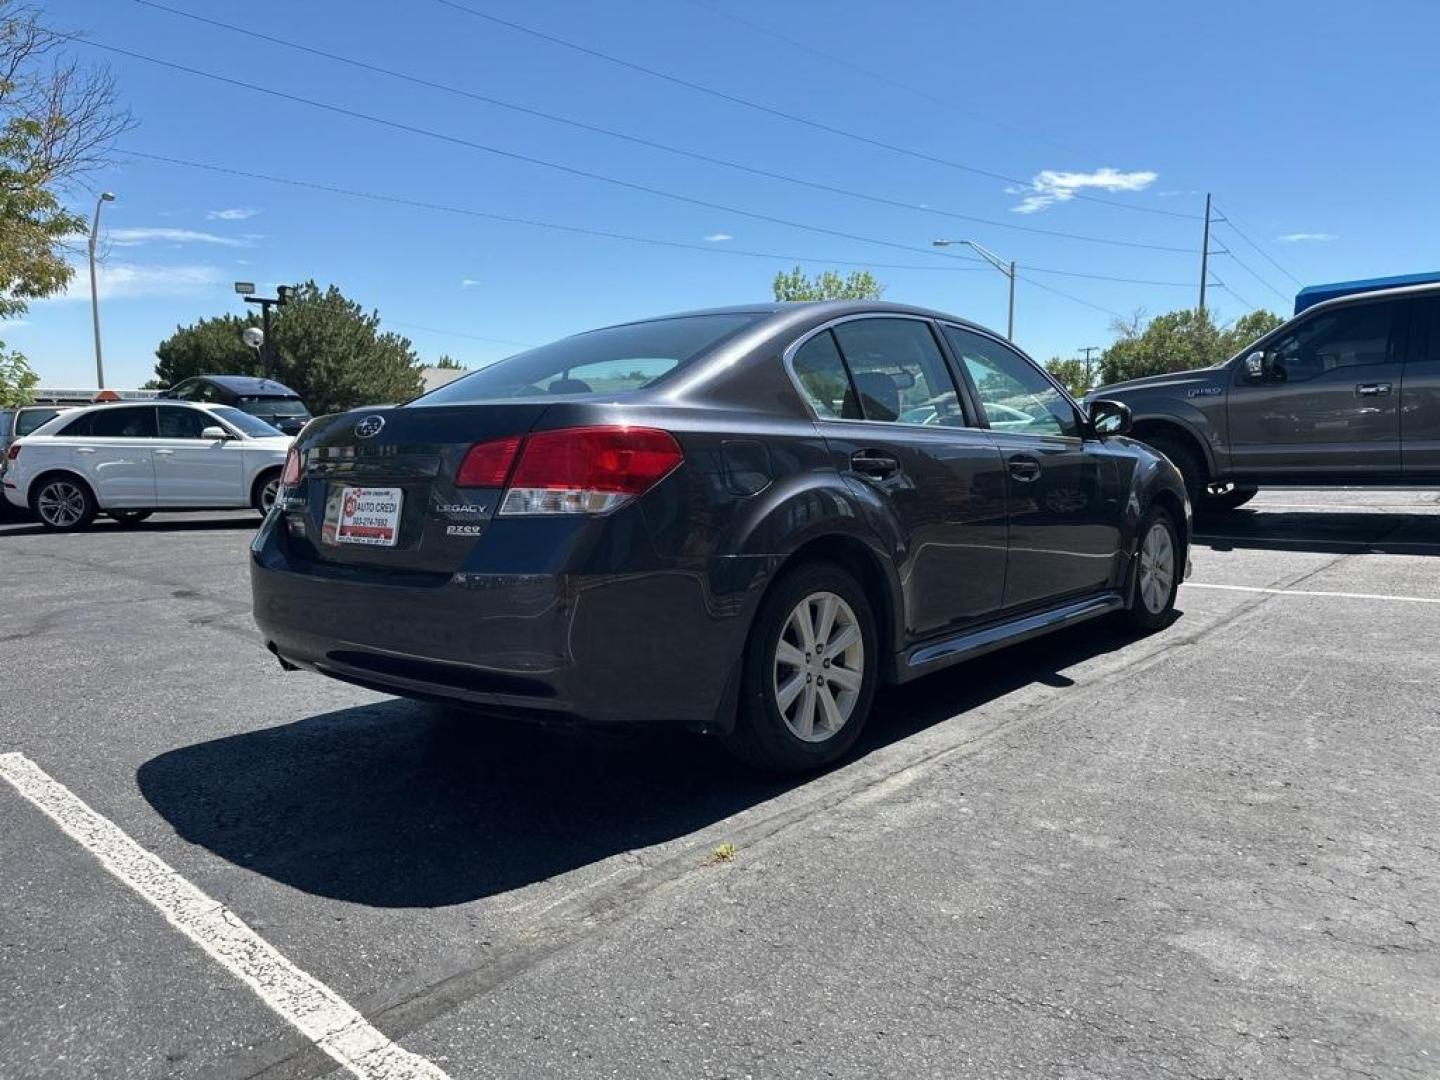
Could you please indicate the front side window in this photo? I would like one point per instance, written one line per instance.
(898, 372)
(181, 423)
(1015, 395)
(821, 374)
(599, 362)
(1352, 336)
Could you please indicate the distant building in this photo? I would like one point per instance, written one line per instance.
(436, 377)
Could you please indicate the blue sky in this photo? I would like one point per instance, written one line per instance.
(1299, 117)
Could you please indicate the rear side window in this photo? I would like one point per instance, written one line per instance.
(114, 422)
(27, 420)
(898, 372)
(599, 362)
(821, 374)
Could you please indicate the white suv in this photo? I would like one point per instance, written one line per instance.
(129, 460)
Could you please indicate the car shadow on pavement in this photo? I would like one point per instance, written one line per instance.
(399, 804)
(1339, 533)
(104, 526)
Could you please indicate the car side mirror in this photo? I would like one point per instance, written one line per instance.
(1108, 417)
(215, 431)
(1259, 367)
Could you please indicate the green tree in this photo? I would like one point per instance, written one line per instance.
(16, 379)
(1177, 341)
(57, 121)
(326, 348)
(1070, 373)
(797, 285)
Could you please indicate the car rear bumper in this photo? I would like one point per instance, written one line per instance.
(653, 646)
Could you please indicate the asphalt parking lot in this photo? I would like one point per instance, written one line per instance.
(1208, 853)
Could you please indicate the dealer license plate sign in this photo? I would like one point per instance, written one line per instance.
(364, 515)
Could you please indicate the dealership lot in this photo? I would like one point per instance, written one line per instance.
(1210, 852)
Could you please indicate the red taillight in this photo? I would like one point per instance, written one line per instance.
(487, 464)
(572, 471)
(291, 475)
(13, 452)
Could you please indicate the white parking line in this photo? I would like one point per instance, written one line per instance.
(311, 1006)
(1207, 538)
(1316, 592)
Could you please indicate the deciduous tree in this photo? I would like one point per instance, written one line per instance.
(797, 285)
(1177, 341)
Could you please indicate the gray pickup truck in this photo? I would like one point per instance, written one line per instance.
(1345, 393)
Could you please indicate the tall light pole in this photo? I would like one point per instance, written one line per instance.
(1006, 268)
(105, 196)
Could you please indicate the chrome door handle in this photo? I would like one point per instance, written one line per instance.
(1373, 389)
(161, 451)
(85, 449)
(1024, 469)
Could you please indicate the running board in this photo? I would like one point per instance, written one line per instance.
(924, 659)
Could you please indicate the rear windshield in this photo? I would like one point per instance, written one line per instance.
(273, 406)
(27, 420)
(598, 362)
(250, 425)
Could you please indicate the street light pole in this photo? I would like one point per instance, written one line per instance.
(105, 196)
(1006, 268)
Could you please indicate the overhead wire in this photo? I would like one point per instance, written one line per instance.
(652, 144)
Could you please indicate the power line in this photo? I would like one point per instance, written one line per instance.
(459, 334)
(1225, 217)
(512, 155)
(652, 144)
(878, 76)
(710, 249)
(789, 116)
(1246, 267)
(421, 204)
(1071, 298)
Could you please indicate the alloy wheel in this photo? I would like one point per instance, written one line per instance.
(1157, 568)
(819, 667)
(60, 504)
(268, 494)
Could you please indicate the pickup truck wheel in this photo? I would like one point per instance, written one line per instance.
(1222, 498)
(1191, 465)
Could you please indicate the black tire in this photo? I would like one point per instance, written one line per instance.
(1151, 610)
(1191, 465)
(259, 488)
(128, 519)
(764, 735)
(1222, 498)
(56, 490)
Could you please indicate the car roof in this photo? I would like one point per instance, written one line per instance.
(247, 384)
(820, 308)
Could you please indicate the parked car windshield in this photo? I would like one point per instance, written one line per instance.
(273, 406)
(249, 425)
(598, 362)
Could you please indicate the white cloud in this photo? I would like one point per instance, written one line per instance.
(131, 281)
(1050, 186)
(238, 213)
(141, 236)
(469, 282)
(1302, 237)
(718, 238)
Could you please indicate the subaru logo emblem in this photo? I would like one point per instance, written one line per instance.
(369, 427)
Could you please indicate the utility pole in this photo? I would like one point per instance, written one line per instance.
(1205, 254)
(1008, 269)
(1087, 350)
